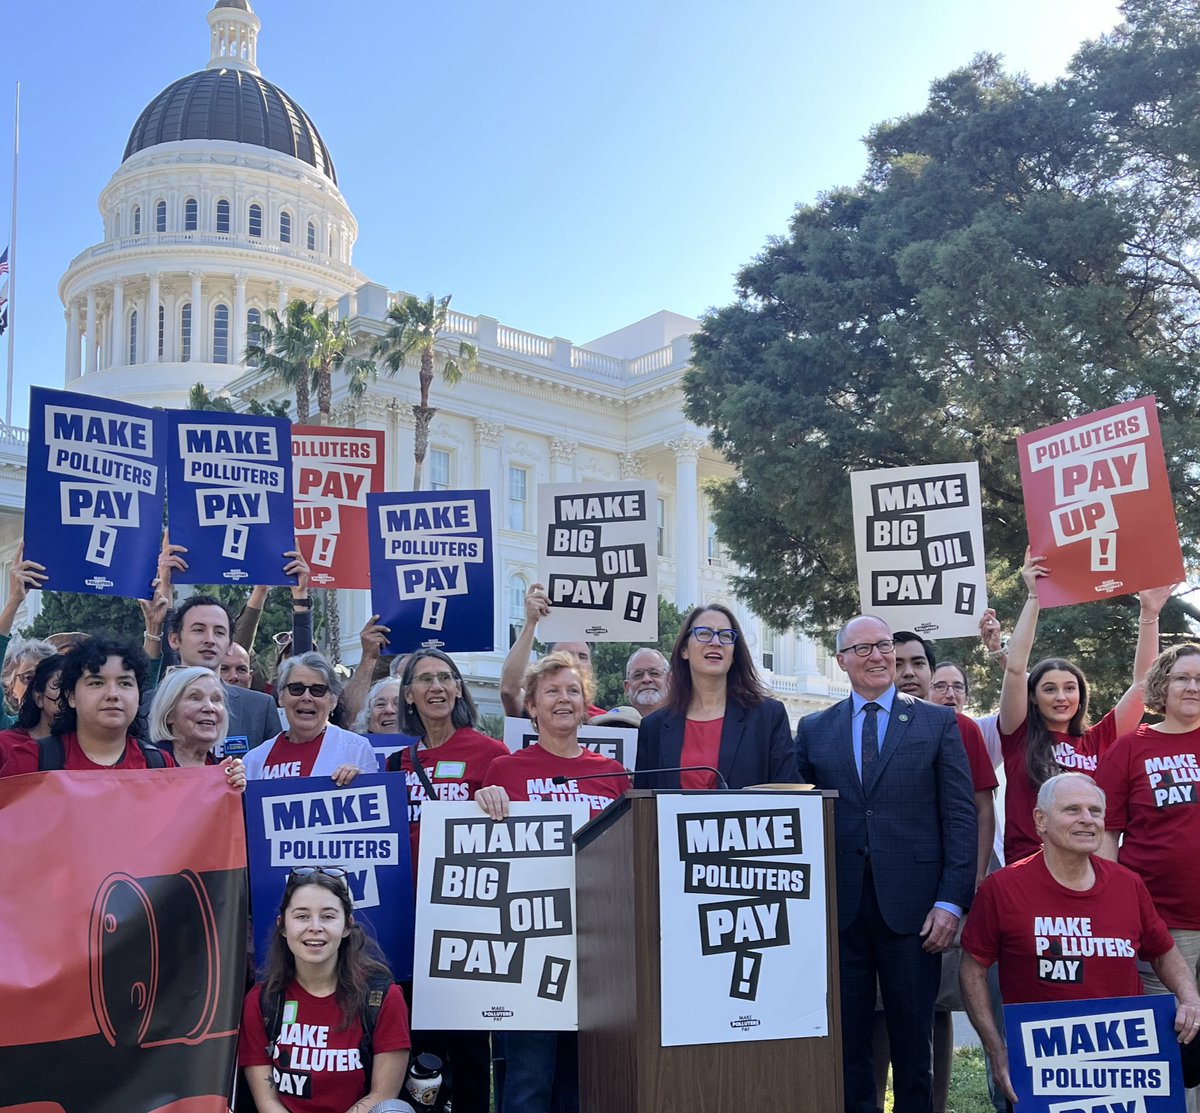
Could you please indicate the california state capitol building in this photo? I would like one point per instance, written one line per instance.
(226, 204)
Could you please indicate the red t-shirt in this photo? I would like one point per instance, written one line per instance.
(1057, 944)
(1152, 784)
(701, 746)
(1074, 755)
(526, 775)
(456, 768)
(983, 776)
(22, 757)
(291, 759)
(317, 1067)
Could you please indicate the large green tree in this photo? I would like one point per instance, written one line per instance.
(413, 329)
(1016, 254)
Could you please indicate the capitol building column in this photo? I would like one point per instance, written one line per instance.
(92, 332)
(73, 341)
(687, 519)
(116, 324)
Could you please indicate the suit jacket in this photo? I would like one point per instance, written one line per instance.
(916, 816)
(756, 746)
(251, 713)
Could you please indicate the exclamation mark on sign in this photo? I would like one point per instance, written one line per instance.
(746, 965)
(101, 545)
(1104, 553)
(635, 606)
(434, 614)
(553, 986)
(323, 547)
(964, 603)
(236, 538)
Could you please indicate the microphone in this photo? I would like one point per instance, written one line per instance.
(721, 782)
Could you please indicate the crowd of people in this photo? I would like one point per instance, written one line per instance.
(1096, 822)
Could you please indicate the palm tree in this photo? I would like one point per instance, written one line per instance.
(413, 328)
(303, 349)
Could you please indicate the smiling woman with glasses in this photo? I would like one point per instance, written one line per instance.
(718, 713)
(311, 746)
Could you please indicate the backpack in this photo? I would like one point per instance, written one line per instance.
(378, 985)
(52, 754)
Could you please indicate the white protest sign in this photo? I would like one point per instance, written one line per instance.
(742, 916)
(495, 939)
(599, 561)
(918, 534)
(619, 743)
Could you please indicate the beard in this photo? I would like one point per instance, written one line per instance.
(647, 697)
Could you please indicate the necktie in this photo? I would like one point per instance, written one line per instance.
(870, 741)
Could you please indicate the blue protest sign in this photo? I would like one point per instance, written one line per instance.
(310, 821)
(229, 482)
(385, 745)
(94, 492)
(1100, 1056)
(431, 568)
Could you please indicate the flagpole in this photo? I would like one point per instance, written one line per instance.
(12, 258)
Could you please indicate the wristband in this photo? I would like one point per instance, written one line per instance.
(152, 637)
(304, 604)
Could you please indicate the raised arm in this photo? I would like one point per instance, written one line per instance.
(1014, 691)
(246, 626)
(22, 577)
(537, 605)
(1130, 706)
(373, 637)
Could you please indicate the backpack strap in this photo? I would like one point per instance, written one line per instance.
(271, 1007)
(377, 991)
(430, 791)
(51, 752)
(155, 758)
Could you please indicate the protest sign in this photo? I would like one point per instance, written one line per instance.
(94, 493)
(363, 827)
(1098, 505)
(431, 568)
(333, 471)
(496, 918)
(619, 743)
(385, 745)
(229, 496)
(599, 561)
(751, 964)
(918, 533)
(1110, 1055)
(124, 942)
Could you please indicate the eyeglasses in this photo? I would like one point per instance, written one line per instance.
(384, 704)
(705, 634)
(428, 678)
(314, 690)
(284, 637)
(328, 871)
(863, 649)
(648, 674)
(1184, 679)
(25, 678)
(947, 686)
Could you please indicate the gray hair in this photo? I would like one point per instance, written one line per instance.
(167, 695)
(318, 662)
(666, 665)
(1046, 794)
(22, 650)
(363, 719)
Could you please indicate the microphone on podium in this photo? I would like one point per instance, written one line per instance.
(721, 782)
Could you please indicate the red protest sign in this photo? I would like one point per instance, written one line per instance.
(333, 471)
(123, 914)
(1098, 505)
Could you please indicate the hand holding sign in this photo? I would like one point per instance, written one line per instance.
(24, 575)
(297, 568)
(1033, 570)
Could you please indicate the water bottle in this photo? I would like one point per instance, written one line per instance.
(424, 1080)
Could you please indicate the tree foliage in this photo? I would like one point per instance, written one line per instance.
(1016, 254)
(200, 399)
(64, 611)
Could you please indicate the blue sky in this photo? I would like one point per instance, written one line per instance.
(566, 167)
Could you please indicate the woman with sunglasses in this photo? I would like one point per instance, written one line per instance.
(320, 973)
(1043, 718)
(718, 713)
(312, 746)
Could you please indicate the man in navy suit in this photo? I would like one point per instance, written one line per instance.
(905, 844)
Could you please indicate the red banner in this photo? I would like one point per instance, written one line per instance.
(333, 471)
(1098, 505)
(123, 915)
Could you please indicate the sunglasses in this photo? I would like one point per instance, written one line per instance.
(328, 871)
(295, 688)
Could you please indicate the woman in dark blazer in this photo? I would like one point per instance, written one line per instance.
(718, 713)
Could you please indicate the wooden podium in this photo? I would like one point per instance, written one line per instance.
(623, 1068)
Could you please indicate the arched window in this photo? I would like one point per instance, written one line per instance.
(133, 336)
(185, 331)
(160, 217)
(137, 220)
(253, 320)
(191, 215)
(222, 215)
(312, 236)
(162, 330)
(256, 220)
(220, 334)
(285, 227)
